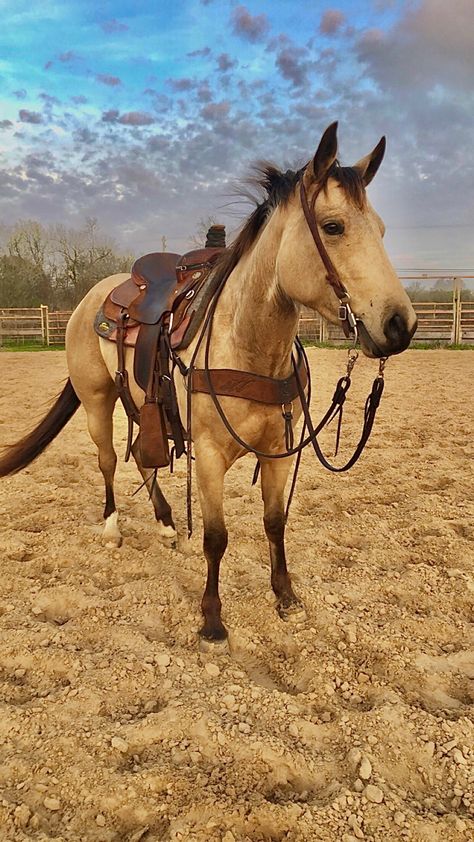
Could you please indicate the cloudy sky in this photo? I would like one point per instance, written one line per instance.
(143, 114)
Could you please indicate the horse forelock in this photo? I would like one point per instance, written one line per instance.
(351, 181)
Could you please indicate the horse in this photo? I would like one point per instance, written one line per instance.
(270, 271)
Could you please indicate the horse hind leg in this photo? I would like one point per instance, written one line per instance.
(164, 517)
(274, 476)
(99, 411)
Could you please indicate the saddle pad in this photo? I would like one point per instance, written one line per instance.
(106, 328)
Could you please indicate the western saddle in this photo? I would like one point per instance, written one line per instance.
(158, 311)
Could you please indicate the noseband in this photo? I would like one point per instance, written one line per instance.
(346, 316)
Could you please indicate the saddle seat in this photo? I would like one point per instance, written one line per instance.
(145, 294)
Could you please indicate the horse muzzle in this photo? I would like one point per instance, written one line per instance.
(397, 332)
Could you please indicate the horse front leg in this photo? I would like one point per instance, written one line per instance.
(210, 471)
(274, 476)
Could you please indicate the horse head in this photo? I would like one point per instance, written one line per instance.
(344, 259)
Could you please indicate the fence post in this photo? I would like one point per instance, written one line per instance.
(45, 323)
(456, 336)
(323, 330)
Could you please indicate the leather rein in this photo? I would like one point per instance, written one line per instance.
(300, 364)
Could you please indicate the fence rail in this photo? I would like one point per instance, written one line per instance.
(438, 321)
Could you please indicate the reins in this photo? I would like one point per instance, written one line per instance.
(349, 324)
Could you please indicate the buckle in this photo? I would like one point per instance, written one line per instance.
(346, 315)
(343, 311)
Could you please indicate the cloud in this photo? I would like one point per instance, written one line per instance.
(184, 84)
(251, 28)
(204, 93)
(48, 99)
(110, 116)
(26, 116)
(20, 94)
(204, 53)
(111, 81)
(112, 26)
(6, 124)
(331, 22)
(85, 136)
(225, 62)
(216, 111)
(68, 56)
(80, 99)
(293, 65)
(136, 118)
(429, 45)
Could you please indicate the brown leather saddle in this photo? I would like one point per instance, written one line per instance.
(161, 282)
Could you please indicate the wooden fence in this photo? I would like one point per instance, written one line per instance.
(33, 325)
(438, 321)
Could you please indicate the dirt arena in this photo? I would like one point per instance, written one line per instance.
(355, 723)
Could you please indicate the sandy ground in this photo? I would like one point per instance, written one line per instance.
(355, 723)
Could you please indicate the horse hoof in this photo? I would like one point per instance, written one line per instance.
(111, 535)
(112, 543)
(293, 613)
(216, 647)
(167, 535)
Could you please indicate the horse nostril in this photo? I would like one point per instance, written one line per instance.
(396, 330)
(398, 333)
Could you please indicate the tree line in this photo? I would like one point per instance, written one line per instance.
(439, 290)
(55, 265)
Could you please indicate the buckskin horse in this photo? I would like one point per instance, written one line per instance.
(313, 240)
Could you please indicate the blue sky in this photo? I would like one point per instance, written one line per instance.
(144, 114)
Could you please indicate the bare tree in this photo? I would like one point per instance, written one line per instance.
(54, 265)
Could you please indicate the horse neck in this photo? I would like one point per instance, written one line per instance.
(261, 321)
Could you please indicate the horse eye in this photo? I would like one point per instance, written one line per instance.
(333, 228)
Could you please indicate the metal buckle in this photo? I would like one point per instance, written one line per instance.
(346, 315)
(343, 312)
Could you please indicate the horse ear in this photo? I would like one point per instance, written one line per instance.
(326, 154)
(369, 165)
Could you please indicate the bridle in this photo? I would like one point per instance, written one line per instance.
(346, 316)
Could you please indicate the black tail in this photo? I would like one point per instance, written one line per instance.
(19, 455)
